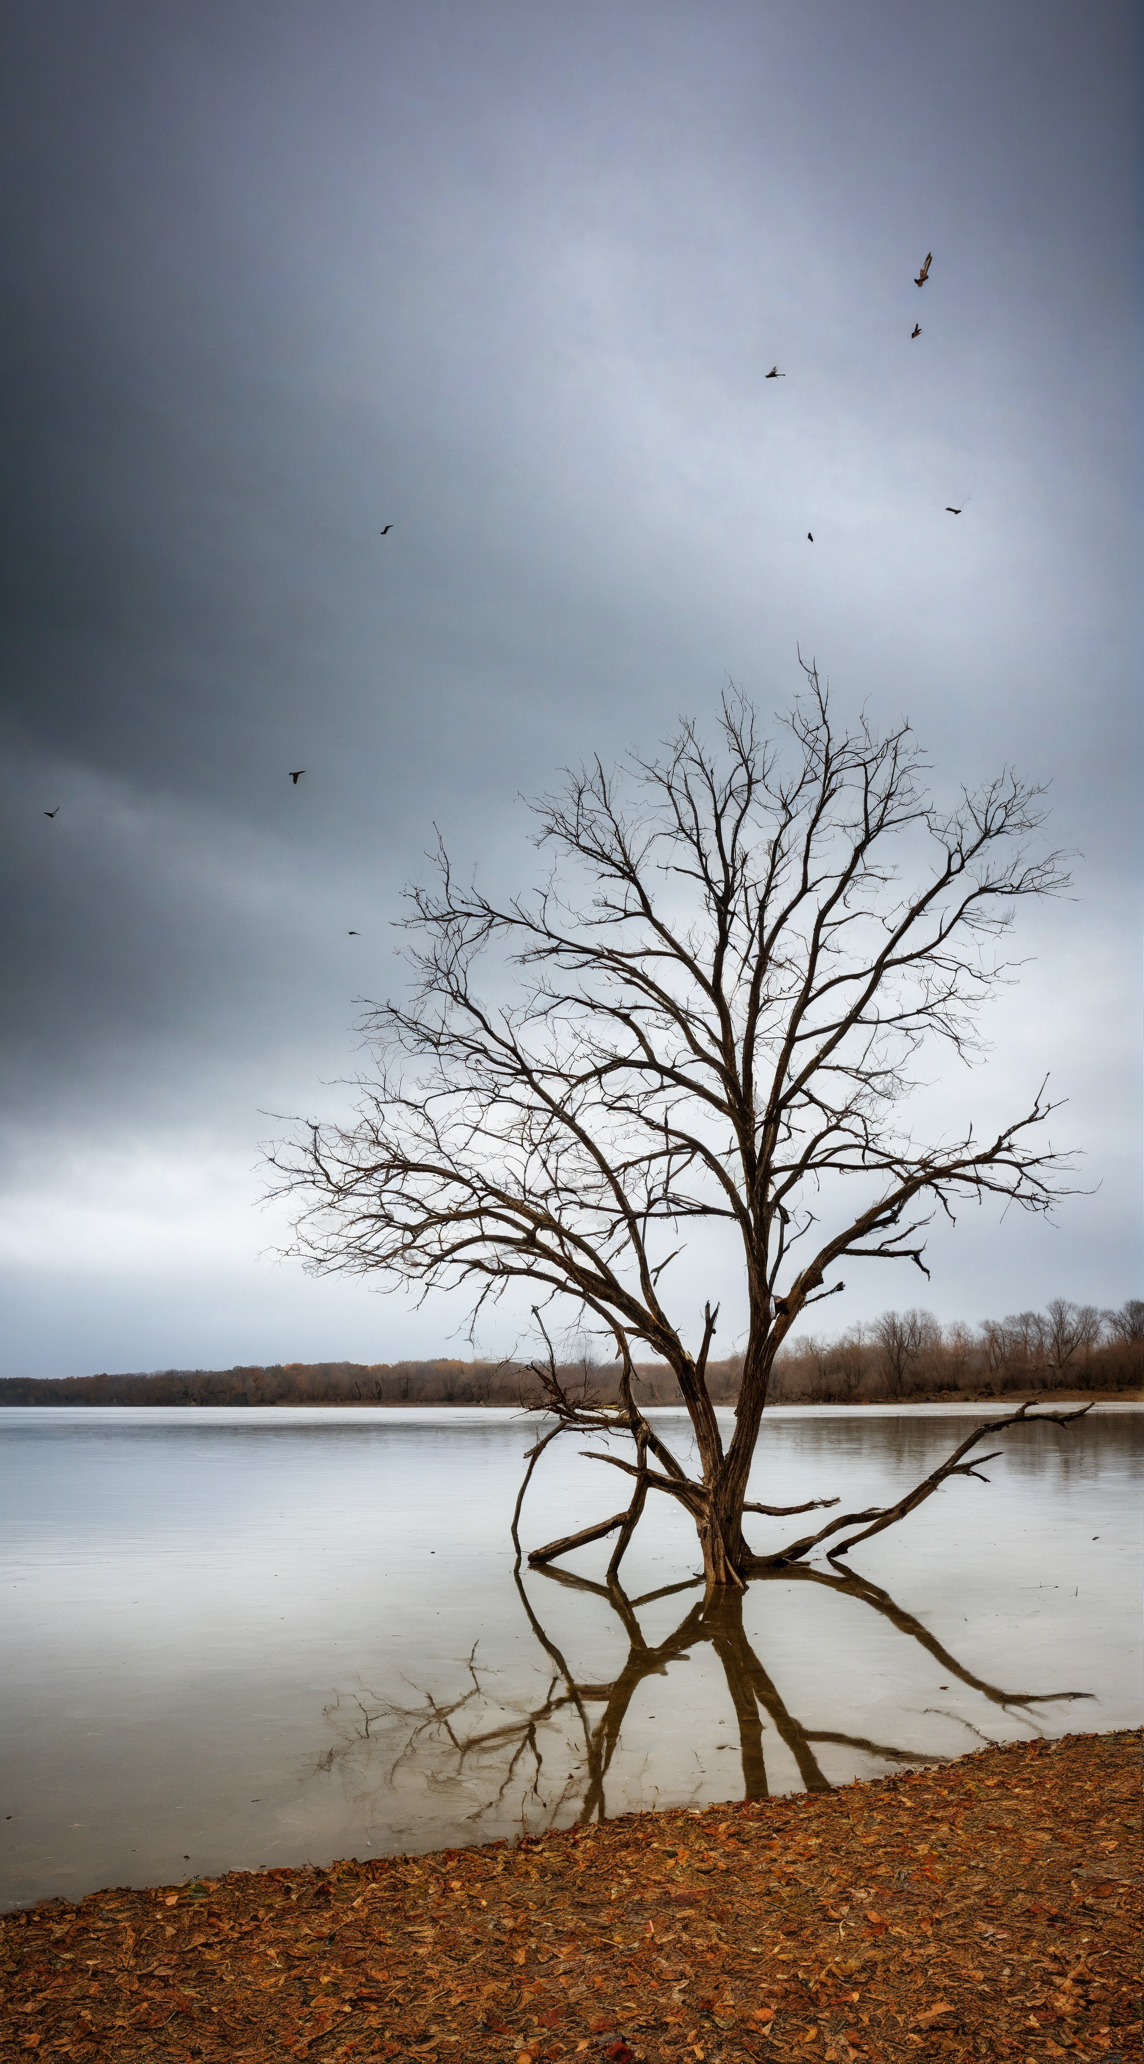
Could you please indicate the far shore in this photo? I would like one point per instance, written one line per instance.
(1012, 1400)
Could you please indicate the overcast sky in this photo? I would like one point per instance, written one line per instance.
(508, 275)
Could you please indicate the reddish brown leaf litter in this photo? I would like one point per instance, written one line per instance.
(987, 1909)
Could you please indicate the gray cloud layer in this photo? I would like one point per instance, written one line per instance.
(510, 277)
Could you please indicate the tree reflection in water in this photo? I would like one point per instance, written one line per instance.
(447, 1745)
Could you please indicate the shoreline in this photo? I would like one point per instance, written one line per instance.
(982, 1907)
(1011, 1399)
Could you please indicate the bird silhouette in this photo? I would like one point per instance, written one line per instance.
(353, 935)
(810, 535)
(775, 374)
(388, 526)
(951, 512)
(296, 774)
(917, 330)
(924, 273)
(53, 813)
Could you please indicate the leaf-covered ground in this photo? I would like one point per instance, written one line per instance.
(988, 1909)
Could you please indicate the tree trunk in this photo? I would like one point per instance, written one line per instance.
(722, 1549)
(725, 1553)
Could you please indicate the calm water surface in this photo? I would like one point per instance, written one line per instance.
(246, 1638)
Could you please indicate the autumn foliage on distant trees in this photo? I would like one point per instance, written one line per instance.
(901, 1355)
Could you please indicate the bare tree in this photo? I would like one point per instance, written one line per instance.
(848, 1361)
(959, 1346)
(904, 1337)
(1127, 1324)
(481, 1382)
(711, 1011)
(1071, 1331)
(827, 1369)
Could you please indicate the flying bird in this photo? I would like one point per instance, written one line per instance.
(952, 512)
(53, 813)
(924, 273)
(775, 374)
(810, 535)
(353, 935)
(917, 330)
(296, 774)
(381, 533)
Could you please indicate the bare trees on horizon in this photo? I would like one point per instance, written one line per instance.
(909, 1354)
(1068, 1346)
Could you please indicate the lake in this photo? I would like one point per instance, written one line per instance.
(239, 1639)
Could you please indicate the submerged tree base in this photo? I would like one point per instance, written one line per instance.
(728, 1561)
(989, 1909)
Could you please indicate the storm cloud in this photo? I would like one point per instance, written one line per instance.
(509, 277)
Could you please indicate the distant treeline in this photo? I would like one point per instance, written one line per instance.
(909, 1355)
(349, 1383)
(901, 1355)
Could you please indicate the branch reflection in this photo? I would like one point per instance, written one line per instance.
(452, 1748)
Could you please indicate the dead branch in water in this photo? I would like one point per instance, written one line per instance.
(880, 1517)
